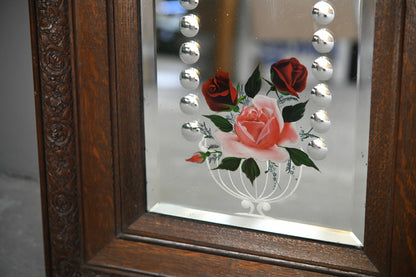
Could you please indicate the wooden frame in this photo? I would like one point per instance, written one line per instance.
(87, 80)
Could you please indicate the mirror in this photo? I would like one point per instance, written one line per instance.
(257, 113)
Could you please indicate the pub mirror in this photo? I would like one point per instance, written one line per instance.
(257, 113)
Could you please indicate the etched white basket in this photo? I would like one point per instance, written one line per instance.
(277, 182)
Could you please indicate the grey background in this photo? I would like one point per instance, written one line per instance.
(21, 245)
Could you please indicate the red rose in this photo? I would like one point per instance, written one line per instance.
(218, 91)
(289, 75)
(197, 158)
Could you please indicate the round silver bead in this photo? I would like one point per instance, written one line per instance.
(189, 52)
(189, 78)
(321, 95)
(320, 121)
(322, 68)
(189, 104)
(317, 149)
(191, 131)
(189, 4)
(323, 12)
(323, 41)
(189, 25)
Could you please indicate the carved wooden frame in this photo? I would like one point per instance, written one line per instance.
(87, 80)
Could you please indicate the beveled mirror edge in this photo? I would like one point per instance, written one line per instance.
(277, 226)
(390, 18)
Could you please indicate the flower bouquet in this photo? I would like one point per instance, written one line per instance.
(253, 133)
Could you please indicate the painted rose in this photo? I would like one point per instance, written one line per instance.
(259, 130)
(289, 75)
(196, 158)
(218, 91)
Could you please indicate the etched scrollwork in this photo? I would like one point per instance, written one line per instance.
(53, 34)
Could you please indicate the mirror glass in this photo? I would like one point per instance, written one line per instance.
(257, 113)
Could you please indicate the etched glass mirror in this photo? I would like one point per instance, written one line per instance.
(257, 113)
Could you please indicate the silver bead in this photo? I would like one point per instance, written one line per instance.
(323, 12)
(321, 96)
(317, 149)
(189, 104)
(189, 52)
(189, 78)
(322, 68)
(189, 25)
(189, 4)
(191, 131)
(323, 41)
(320, 121)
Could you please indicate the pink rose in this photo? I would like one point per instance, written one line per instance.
(259, 130)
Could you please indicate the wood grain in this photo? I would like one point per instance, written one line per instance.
(167, 261)
(130, 131)
(94, 124)
(404, 225)
(383, 131)
(253, 242)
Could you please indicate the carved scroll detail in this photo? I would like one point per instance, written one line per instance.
(59, 138)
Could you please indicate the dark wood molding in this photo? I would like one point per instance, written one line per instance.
(56, 133)
(385, 92)
(248, 244)
(404, 222)
(88, 91)
(129, 105)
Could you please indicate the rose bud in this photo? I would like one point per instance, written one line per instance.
(218, 91)
(197, 158)
(289, 76)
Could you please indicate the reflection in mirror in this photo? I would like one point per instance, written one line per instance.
(257, 113)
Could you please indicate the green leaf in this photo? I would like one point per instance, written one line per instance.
(283, 92)
(222, 123)
(231, 108)
(293, 113)
(229, 163)
(241, 99)
(299, 157)
(253, 84)
(271, 75)
(251, 169)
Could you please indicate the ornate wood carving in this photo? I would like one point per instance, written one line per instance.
(56, 100)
